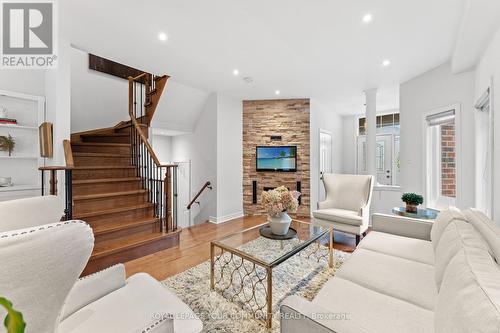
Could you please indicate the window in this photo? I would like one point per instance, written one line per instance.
(441, 159)
(387, 149)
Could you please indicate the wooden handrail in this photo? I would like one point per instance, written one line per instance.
(206, 185)
(68, 156)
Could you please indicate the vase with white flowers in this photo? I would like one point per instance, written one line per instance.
(278, 203)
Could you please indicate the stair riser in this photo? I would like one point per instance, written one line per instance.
(127, 130)
(127, 216)
(107, 139)
(92, 205)
(101, 149)
(96, 188)
(126, 233)
(103, 173)
(102, 160)
(98, 264)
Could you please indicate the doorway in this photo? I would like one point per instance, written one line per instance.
(325, 159)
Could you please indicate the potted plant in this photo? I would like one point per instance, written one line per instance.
(7, 143)
(278, 202)
(412, 200)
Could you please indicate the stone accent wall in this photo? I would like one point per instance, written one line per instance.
(261, 120)
(448, 171)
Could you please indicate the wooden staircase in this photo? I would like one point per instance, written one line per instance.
(108, 194)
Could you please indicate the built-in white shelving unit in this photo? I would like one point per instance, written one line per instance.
(22, 166)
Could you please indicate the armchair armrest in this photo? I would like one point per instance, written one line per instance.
(298, 315)
(92, 287)
(163, 325)
(402, 226)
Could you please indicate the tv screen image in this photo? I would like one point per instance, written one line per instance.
(282, 158)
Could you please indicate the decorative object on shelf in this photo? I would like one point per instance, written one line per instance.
(3, 112)
(5, 181)
(45, 133)
(412, 200)
(7, 143)
(266, 232)
(278, 202)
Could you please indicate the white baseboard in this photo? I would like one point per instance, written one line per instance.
(225, 218)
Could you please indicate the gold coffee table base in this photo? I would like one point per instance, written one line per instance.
(248, 280)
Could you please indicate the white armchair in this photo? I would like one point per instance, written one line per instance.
(40, 269)
(347, 203)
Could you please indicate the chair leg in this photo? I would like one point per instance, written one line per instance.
(358, 239)
(364, 234)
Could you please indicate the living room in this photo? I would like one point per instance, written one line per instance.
(316, 167)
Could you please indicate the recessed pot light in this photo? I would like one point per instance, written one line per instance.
(277, 92)
(236, 72)
(367, 18)
(386, 62)
(162, 36)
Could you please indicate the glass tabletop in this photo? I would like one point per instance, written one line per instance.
(425, 213)
(270, 251)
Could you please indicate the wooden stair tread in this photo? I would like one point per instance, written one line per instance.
(121, 225)
(113, 211)
(108, 195)
(105, 180)
(105, 134)
(93, 167)
(101, 155)
(117, 245)
(107, 144)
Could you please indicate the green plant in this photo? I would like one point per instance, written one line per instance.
(412, 199)
(13, 322)
(7, 143)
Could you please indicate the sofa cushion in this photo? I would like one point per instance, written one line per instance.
(339, 215)
(368, 308)
(139, 304)
(456, 235)
(405, 279)
(489, 231)
(399, 246)
(441, 222)
(469, 298)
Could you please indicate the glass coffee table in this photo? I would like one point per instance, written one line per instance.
(241, 264)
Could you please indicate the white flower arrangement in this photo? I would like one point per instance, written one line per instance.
(280, 200)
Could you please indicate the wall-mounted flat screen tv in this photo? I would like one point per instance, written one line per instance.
(277, 158)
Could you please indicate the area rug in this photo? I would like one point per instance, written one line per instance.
(301, 275)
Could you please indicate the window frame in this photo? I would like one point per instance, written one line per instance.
(442, 202)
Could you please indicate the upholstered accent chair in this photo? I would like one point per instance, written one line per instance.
(347, 203)
(40, 269)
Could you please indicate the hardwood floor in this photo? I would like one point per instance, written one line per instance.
(194, 247)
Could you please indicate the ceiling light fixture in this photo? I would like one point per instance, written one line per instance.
(367, 18)
(277, 92)
(162, 36)
(236, 72)
(386, 62)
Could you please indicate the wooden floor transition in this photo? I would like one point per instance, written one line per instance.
(194, 247)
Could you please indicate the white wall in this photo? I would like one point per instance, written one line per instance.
(27, 81)
(431, 90)
(349, 134)
(229, 158)
(488, 70)
(200, 147)
(162, 146)
(322, 117)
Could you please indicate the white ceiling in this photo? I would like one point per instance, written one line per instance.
(318, 49)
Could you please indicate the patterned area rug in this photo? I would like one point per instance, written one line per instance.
(303, 275)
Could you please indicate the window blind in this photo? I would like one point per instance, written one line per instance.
(440, 118)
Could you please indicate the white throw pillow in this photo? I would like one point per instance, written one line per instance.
(457, 235)
(487, 229)
(442, 221)
(469, 298)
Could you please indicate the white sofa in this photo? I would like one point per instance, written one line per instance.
(410, 276)
(40, 266)
(347, 203)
